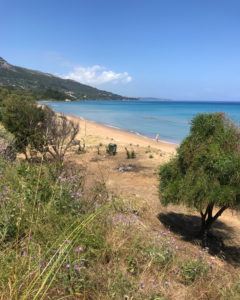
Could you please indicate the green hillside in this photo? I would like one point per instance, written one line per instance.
(48, 86)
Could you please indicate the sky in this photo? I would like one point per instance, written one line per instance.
(176, 49)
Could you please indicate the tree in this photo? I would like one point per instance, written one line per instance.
(37, 128)
(22, 117)
(7, 93)
(205, 173)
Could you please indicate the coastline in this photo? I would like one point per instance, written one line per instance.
(107, 133)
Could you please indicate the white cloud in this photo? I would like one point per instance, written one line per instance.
(97, 75)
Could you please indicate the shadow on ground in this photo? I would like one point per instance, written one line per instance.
(220, 242)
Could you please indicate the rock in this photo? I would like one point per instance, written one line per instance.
(125, 168)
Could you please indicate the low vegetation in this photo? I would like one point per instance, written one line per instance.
(131, 154)
(65, 235)
(58, 240)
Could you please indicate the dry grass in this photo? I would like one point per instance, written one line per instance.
(120, 243)
(137, 217)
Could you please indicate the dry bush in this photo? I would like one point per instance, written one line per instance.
(59, 134)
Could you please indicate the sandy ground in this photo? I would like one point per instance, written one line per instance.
(136, 180)
(105, 133)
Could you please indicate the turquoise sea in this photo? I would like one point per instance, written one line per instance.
(169, 119)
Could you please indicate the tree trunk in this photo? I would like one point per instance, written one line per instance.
(207, 220)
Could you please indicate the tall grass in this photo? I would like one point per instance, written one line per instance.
(41, 221)
(45, 279)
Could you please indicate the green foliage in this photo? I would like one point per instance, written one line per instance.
(37, 129)
(111, 149)
(141, 253)
(22, 117)
(4, 134)
(206, 169)
(122, 287)
(31, 186)
(10, 93)
(47, 232)
(46, 86)
(54, 95)
(160, 256)
(192, 270)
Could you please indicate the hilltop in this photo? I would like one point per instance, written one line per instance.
(48, 86)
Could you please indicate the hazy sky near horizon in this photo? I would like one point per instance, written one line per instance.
(186, 49)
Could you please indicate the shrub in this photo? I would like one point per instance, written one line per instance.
(192, 270)
(11, 93)
(38, 129)
(206, 170)
(111, 149)
(130, 154)
(161, 256)
(22, 118)
(57, 135)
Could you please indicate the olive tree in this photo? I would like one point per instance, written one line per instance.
(205, 173)
(22, 117)
(38, 129)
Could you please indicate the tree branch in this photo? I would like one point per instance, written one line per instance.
(221, 210)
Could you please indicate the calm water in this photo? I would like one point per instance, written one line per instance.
(169, 119)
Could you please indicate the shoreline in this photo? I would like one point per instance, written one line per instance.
(124, 137)
(111, 126)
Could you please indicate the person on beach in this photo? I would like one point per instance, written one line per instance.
(157, 138)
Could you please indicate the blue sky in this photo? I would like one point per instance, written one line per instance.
(179, 49)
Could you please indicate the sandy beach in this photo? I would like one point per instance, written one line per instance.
(97, 133)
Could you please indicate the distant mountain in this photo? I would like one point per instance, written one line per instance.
(48, 86)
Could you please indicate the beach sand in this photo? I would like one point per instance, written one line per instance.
(98, 133)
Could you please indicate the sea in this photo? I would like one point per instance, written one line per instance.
(167, 120)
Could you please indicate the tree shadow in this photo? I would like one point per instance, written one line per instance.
(188, 226)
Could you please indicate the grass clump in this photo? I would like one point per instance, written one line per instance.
(130, 154)
(191, 270)
(232, 292)
(50, 238)
(122, 287)
(161, 256)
